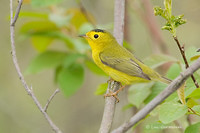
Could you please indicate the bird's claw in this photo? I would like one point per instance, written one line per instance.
(114, 94)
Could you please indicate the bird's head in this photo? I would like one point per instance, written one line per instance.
(98, 38)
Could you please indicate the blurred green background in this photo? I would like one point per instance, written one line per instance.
(81, 112)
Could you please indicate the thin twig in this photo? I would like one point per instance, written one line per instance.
(17, 13)
(182, 50)
(14, 57)
(110, 102)
(50, 99)
(173, 86)
(87, 16)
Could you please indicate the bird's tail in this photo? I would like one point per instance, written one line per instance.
(180, 91)
(165, 80)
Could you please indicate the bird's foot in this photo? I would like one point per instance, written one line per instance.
(114, 94)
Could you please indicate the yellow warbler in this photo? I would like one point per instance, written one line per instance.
(120, 64)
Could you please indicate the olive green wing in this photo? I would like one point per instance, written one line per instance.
(125, 65)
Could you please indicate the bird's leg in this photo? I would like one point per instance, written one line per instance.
(114, 94)
(110, 80)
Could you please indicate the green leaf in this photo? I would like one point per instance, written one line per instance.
(191, 53)
(196, 108)
(43, 3)
(46, 60)
(128, 106)
(139, 92)
(191, 102)
(72, 58)
(56, 72)
(174, 71)
(190, 87)
(80, 45)
(41, 43)
(178, 20)
(156, 60)
(194, 57)
(60, 19)
(94, 68)
(54, 35)
(34, 15)
(155, 90)
(60, 36)
(195, 94)
(37, 26)
(158, 11)
(101, 89)
(170, 111)
(70, 79)
(195, 128)
(71, 43)
(167, 27)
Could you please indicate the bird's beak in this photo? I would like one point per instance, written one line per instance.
(84, 36)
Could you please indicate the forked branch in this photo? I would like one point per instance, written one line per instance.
(29, 90)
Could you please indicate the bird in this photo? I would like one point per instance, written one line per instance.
(118, 62)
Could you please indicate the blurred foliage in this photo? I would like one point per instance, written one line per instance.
(70, 64)
(101, 89)
(60, 25)
(170, 111)
(195, 128)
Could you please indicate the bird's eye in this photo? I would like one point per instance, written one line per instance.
(96, 36)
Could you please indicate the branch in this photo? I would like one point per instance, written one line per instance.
(173, 86)
(109, 109)
(17, 13)
(87, 16)
(14, 57)
(119, 20)
(50, 99)
(182, 50)
(110, 102)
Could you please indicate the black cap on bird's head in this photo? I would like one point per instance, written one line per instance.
(94, 30)
(98, 36)
(99, 30)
